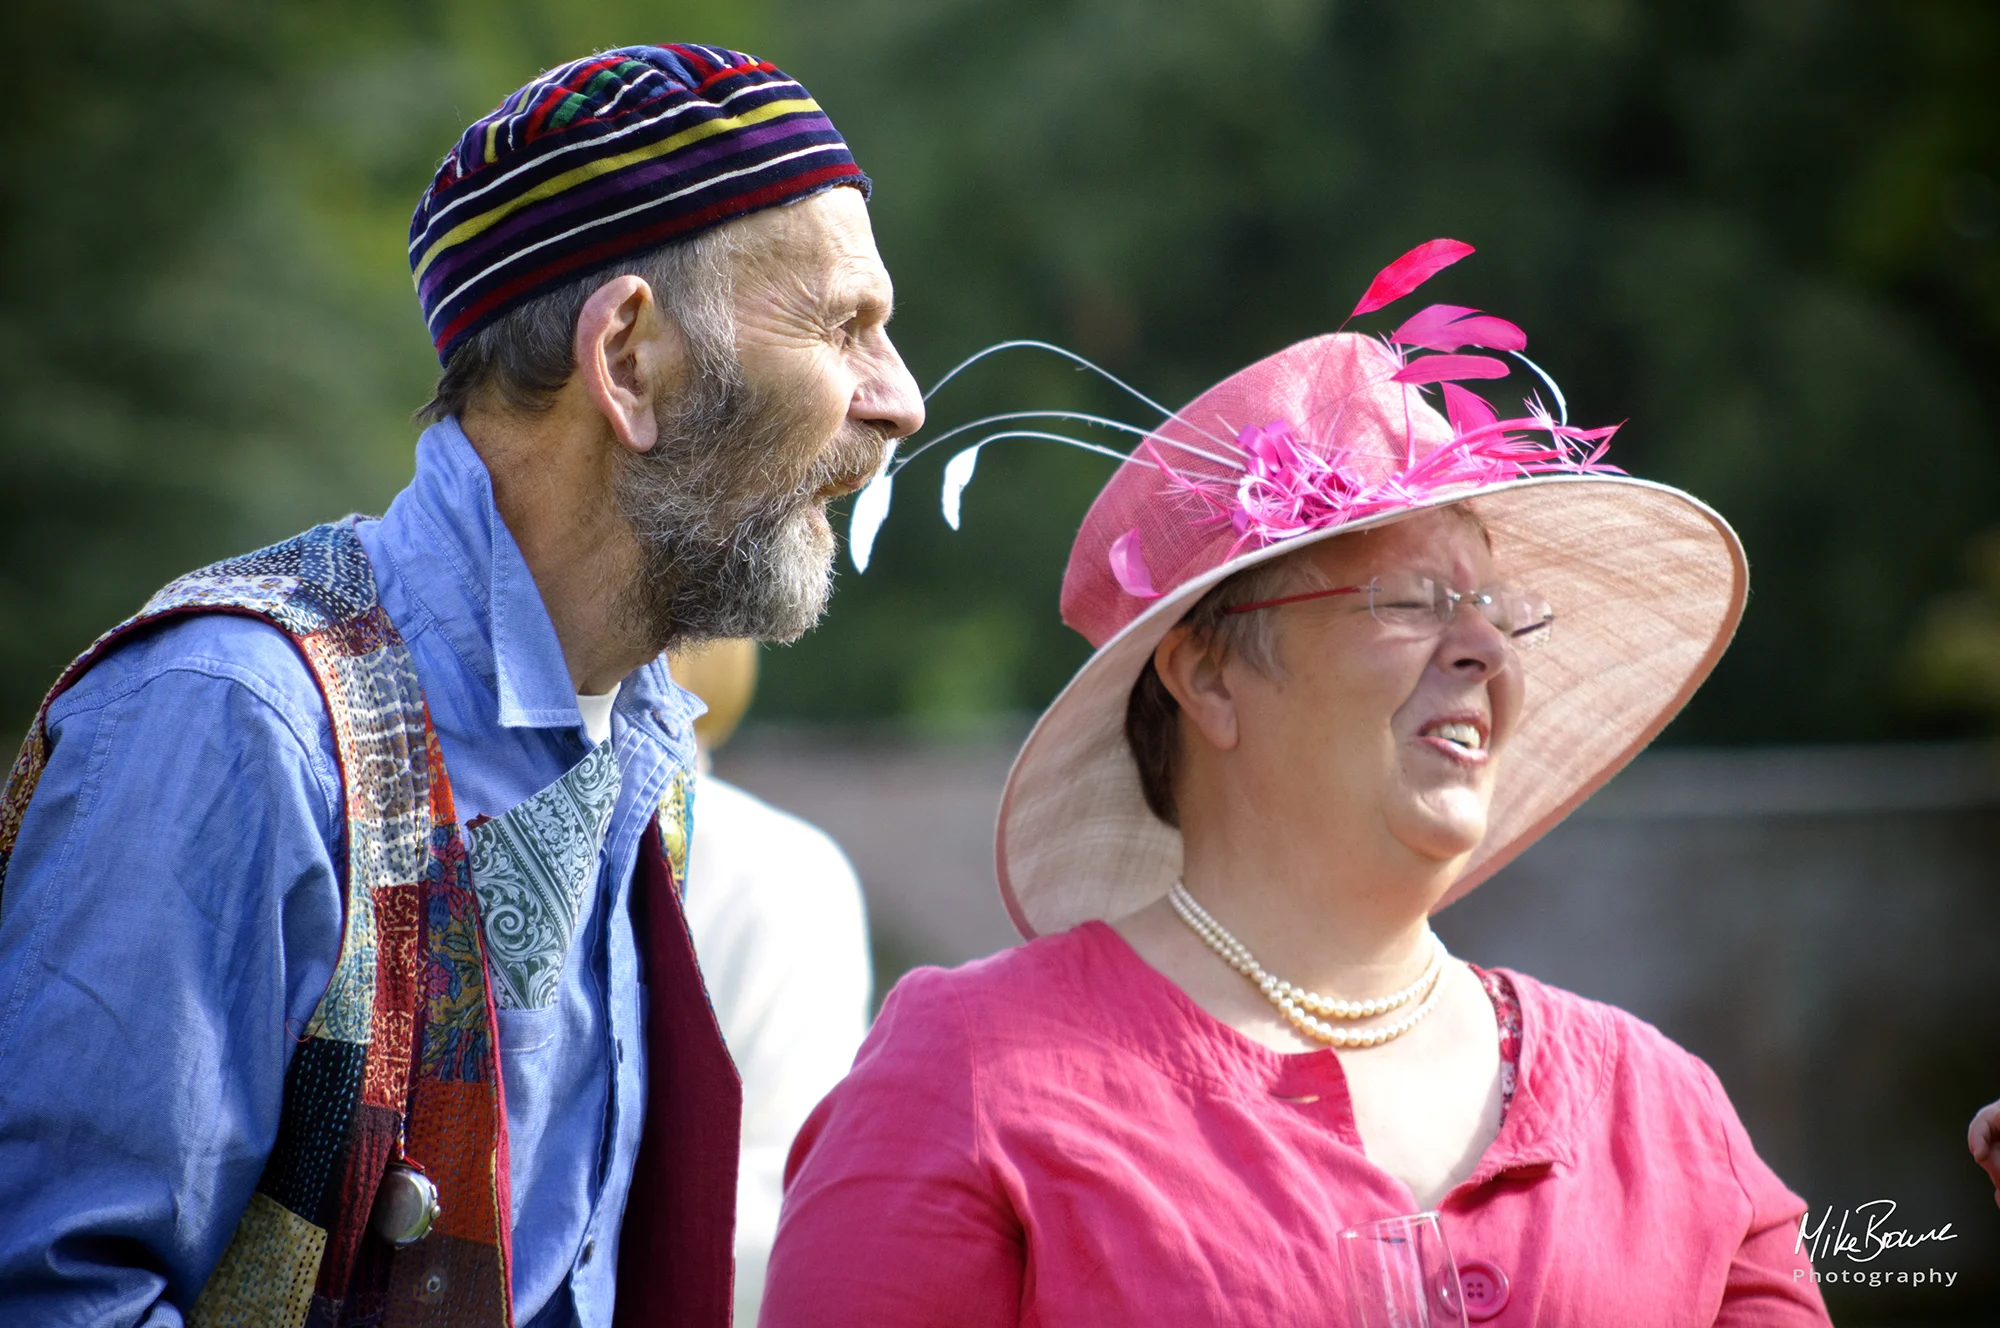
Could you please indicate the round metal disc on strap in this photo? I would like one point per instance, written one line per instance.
(406, 1206)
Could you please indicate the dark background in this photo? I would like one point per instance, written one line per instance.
(1763, 232)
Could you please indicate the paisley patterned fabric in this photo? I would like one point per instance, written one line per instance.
(1507, 1009)
(533, 869)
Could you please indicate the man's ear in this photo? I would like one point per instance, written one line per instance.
(628, 353)
(1191, 668)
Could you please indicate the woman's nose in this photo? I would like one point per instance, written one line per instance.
(1472, 645)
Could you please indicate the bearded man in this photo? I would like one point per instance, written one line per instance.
(343, 973)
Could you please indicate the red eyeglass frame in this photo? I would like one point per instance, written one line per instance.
(1294, 599)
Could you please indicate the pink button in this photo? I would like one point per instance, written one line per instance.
(1485, 1288)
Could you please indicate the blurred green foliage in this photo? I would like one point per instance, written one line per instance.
(208, 338)
(1763, 231)
(1954, 660)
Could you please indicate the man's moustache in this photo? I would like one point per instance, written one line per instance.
(849, 468)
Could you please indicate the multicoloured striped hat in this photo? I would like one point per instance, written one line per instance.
(604, 158)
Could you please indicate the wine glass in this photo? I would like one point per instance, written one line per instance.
(1400, 1274)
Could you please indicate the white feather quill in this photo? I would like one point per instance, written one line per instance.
(871, 509)
(957, 474)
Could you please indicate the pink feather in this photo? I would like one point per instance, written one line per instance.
(1410, 271)
(1468, 410)
(1427, 324)
(1284, 488)
(1490, 332)
(1447, 327)
(1445, 368)
(1128, 566)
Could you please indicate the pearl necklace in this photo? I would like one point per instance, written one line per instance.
(1302, 1008)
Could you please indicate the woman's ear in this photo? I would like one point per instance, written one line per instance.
(1192, 669)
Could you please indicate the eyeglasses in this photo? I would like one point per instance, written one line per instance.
(1413, 604)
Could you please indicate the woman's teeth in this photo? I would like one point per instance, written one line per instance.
(1462, 735)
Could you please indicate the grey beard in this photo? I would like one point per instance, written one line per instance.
(722, 554)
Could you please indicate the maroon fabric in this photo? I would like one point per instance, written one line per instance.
(371, 1143)
(676, 1265)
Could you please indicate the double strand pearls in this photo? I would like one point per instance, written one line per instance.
(1307, 1011)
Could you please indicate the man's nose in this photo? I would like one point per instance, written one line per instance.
(887, 399)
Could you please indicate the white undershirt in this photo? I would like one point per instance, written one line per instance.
(597, 713)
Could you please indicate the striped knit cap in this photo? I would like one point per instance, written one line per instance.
(606, 158)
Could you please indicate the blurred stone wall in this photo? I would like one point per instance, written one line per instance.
(1822, 925)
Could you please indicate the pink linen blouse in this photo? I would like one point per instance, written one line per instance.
(1058, 1135)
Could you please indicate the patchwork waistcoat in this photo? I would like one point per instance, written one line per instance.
(399, 1064)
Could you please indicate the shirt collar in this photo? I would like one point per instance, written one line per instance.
(1561, 1071)
(462, 563)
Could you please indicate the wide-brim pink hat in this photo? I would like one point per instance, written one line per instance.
(1329, 437)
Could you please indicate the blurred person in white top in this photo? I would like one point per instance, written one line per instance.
(782, 936)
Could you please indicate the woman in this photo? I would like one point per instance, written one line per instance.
(1386, 652)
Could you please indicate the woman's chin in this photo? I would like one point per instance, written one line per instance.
(1443, 832)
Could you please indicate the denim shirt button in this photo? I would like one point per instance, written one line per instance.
(1485, 1288)
(589, 1249)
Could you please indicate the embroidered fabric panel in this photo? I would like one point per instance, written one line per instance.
(458, 1027)
(456, 1126)
(304, 584)
(376, 707)
(398, 978)
(265, 1278)
(389, 850)
(321, 1090)
(444, 1282)
(373, 1137)
(21, 781)
(533, 869)
(347, 1011)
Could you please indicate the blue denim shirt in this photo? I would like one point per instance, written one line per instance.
(172, 915)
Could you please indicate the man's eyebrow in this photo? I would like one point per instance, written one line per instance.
(865, 292)
(868, 297)
(869, 306)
